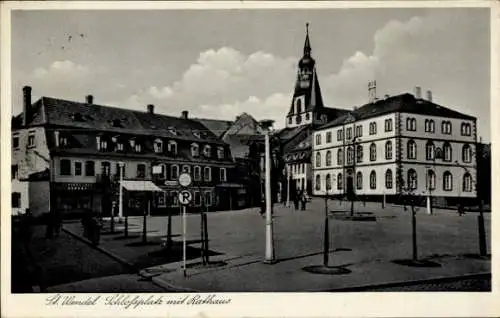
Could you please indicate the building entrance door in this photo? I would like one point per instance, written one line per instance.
(350, 187)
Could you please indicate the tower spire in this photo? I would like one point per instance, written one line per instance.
(307, 44)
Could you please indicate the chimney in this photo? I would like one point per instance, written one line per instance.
(151, 109)
(372, 91)
(429, 96)
(26, 104)
(386, 96)
(418, 92)
(89, 99)
(184, 114)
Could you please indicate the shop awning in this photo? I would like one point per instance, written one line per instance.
(230, 185)
(140, 185)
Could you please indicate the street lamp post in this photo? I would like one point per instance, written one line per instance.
(287, 169)
(326, 242)
(269, 220)
(120, 198)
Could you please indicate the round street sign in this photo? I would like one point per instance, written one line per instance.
(185, 197)
(185, 180)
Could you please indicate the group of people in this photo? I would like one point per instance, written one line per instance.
(300, 197)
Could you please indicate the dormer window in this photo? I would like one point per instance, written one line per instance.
(102, 144)
(220, 152)
(138, 148)
(172, 130)
(172, 147)
(132, 143)
(77, 117)
(195, 150)
(119, 146)
(117, 123)
(207, 151)
(196, 133)
(158, 146)
(63, 141)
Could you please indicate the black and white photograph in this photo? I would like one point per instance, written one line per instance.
(205, 151)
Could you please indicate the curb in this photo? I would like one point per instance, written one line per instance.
(442, 279)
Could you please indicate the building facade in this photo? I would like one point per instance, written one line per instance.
(397, 145)
(71, 157)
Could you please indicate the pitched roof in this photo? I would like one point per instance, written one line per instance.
(59, 112)
(217, 127)
(404, 103)
(242, 122)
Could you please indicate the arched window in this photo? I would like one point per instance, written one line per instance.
(465, 129)
(359, 153)
(411, 124)
(359, 180)
(197, 173)
(429, 150)
(328, 182)
(195, 150)
(186, 169)
(431, 180)
(163, 172)
(447, 153)
(174, 172)
(318, 159)
(350, 155)
(467, 183)
(432, 126)
(207, 173)
(172, 147)
(388, 150)
(447, 181)
(318, 139)
(412, 149)
(373, 180)
(412, 179)
(328, 158)
(340, 157)
(298, 105)
(373, 152)
(318, 182)
(340, 182)
(446, 127)
(466, 153)
(388, 179)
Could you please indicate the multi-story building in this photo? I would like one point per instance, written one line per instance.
(396, 145)
(69, 156)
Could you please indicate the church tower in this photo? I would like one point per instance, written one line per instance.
(307, 102)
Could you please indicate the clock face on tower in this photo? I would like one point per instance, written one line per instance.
(304, 80)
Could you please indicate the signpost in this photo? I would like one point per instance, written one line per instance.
(185, 198)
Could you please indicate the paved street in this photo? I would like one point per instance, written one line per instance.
(367, 249)
(65, 260)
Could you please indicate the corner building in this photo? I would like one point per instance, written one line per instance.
(397, 145)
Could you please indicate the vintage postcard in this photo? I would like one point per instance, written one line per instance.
(257, 159)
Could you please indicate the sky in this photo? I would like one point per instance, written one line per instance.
(221, 63)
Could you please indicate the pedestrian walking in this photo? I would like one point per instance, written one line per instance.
(262, 207)
(296, 199)
(460, 209)
(303, 200)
